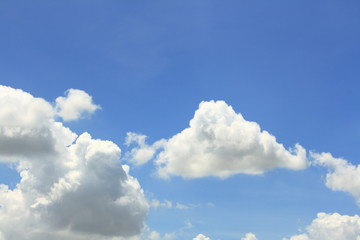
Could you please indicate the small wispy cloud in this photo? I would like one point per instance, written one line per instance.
(155, 203)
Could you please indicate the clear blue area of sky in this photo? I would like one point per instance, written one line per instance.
(291, 66)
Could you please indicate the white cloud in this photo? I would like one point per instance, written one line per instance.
(249, 236)
(154, 236)
(201, 237)
(156, 203)
(74, 105)
(26, 125)
(68, 190)
(221, 143)
(342, 176)
(19, 108)
(299, 237)
(332, 226)
(182, 206)
(143, 152)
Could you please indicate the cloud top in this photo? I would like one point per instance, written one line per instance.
(201, 237)
(249, 236)
(332, 226)
(26, 125)
(219, 142)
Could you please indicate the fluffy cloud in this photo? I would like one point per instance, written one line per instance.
(332, 226)
(143, 152)
(249, 236)
(220, 142)
(26, 125)
(201, 237)
(74, 105)
(73, 190)
(342, 176)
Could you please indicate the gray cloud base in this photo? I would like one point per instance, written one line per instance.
(69, 189)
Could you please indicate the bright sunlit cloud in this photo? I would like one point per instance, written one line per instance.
(342, 176)
(74, 105)
(331, 226)
(219, 142)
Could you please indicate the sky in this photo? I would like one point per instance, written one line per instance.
(179, 120)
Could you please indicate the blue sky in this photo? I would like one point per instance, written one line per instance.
(290, 66)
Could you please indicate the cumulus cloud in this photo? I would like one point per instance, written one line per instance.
(69, 190)
(249, 236)
(201, 237)
(26, 125)
(332, 226)
(342, 176)
(219, 142)
(74, 105)
(143, 152)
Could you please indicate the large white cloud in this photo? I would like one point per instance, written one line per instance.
(68, 190)
(332, 226)
(74, 105)
(342, 175)
(219, 142)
